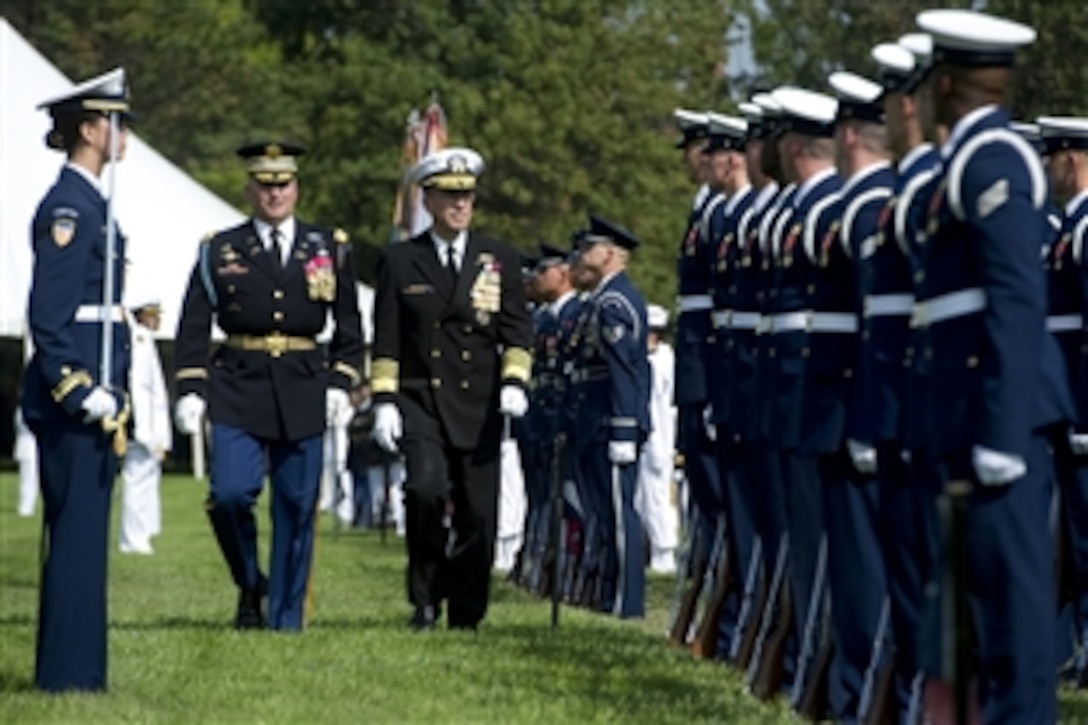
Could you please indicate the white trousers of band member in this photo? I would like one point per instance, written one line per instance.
(510, 529)
(376, 480)
(141, 510)
(660, 516)
(335, 475)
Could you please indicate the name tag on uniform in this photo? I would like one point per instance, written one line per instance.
(418, 289)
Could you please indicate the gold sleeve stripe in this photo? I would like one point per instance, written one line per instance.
(344, 369)
(191, 374)
(517, 363)
(70, 382)
(384, 375)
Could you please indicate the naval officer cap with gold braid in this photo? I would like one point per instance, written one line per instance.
(271, 162)
(451, 169)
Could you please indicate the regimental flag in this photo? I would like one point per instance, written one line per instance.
(424, 134)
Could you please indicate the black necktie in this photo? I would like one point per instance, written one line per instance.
(451, 263)
(276, 250)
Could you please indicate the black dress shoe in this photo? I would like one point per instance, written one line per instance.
(250, 612)
(423, 618)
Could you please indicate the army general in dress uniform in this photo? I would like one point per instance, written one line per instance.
(71, 409)
(270, 283)
(451, 358)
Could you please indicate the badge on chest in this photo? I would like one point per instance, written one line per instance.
(320, 279)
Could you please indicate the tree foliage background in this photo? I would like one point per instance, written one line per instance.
(569, 101)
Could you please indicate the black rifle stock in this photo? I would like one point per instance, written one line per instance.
(813, 703)
(877, 694)
(587, 563)
(810, 643)
(764, 675)
(704, 645)
(751, 605)
(685, 610)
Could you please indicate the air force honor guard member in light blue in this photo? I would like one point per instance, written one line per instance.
(993, 391)
(611, 390)
(74, 397)
(1066, 141)
(270, 283)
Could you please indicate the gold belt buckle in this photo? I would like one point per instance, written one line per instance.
(276, 343)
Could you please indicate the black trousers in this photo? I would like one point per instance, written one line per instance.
(451, 504)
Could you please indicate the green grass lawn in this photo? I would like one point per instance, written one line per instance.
(174, 656)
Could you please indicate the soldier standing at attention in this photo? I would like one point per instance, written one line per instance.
(451, 358)
(72, 411)
(270, 283)
(990, 378)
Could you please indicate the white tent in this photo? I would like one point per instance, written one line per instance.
(162, 211)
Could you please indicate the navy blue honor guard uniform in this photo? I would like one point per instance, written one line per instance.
(452, 338)
(991, 375)
(1066, 142)
(270, 288)
(611, 390)
(78, 419)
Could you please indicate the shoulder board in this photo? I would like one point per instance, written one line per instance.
(959, 163)
(340, 236)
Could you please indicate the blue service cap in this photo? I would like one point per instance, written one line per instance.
(974, 39)
(727, 133)
(550, 256)
(806, 112)
(693, 126)
(602, 230)
(1060, 133)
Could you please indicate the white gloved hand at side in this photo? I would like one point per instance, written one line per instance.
(622, 452)
(98, 404)
(338, 412)
(708, 416)
(513, 401)
(388, 426)
(994, 468)
(863, 456)
(1078, 443)
(188, 412)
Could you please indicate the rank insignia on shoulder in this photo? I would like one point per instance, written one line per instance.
(63, 230)
(613, 334)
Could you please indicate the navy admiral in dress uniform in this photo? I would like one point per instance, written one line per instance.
(611, 392)
(992, 383)
(1066, 144)
(270, 284)
(451, 358)
(74, 397)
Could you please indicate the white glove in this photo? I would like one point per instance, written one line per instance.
(388, 426)
(996, 469)
(513, 401)
(338, 412)
(622, 452)
(863, 456)
(99, 404)
(711, 429)
(188, 413)
(1078, 442)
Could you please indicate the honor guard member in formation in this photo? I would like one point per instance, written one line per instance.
(1066, 145)
(451, 358)
(886, 308)
(611, 390)
(74, 389)
(990, 379)
(694, 263)
(270, 284)
(654, 494)
(153, 436)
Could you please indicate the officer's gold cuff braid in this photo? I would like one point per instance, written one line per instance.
(118, 426)
(71, 381)
(384, 375)
(344, 369)
(191, 374)
(517, 364)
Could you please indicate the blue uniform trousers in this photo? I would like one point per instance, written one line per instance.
(855, 576)
(624, 574)
(741, 502)
(237, 476)
(1011, 589)
(77, 469)
(700, 467)
(909, 538)
(1072, 476)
